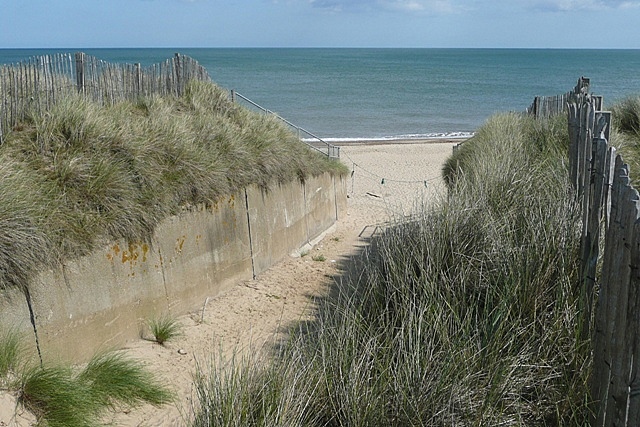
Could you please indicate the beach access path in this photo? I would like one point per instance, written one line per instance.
(255, 313)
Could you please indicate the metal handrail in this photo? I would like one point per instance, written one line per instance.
(327, 149)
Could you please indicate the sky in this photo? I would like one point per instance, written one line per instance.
(320, 23)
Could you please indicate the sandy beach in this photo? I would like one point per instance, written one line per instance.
(387, 181)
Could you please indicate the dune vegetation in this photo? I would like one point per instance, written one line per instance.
(467, 315)
(81, 174)
(625, 133)
(65, 396)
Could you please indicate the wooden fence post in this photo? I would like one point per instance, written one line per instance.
(624, 327)
(633, 411)
(582, 87)
(573, 118)
(611, 348)
(80, 71)
(609, 173)
(137, 79)
(177, 63)
(585, 137)
(594, 203)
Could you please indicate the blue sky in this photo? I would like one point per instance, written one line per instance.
(320, 23)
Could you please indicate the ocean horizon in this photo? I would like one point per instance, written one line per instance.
(348, 94)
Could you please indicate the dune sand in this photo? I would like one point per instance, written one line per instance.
(387, 181)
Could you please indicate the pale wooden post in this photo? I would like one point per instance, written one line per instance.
(633, 412)
(609, 173)
(611, 314)
(621, 345)
(573, 115)
(177, 63)
(138, 79)
(80, 71)
(594, 205)
(587, 122)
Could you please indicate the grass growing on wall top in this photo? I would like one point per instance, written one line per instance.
(468, 315)
(81, 174)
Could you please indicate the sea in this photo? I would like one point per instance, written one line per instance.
(385, 94)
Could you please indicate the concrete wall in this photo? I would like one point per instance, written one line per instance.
(103, 300)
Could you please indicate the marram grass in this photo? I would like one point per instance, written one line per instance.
(61, 397)
(625, 133)
(10, 352)
(164, 328)
(81, 174)
(246, 390)
(115, 380)
(467, 315)
(64, 396)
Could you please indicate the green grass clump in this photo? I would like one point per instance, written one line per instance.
(54, 395)
(249, 391)
(625, 133)
(469, 314)
(62, 397)
(164, 328)
(625, 115)
(115, 381)
(10, 352)
(81, 173)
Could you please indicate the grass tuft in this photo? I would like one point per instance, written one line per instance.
(10, 352)
(248, 390)
(62, 397)
(164, 328)
(626, 115)
(54, 396)
(625, 133)
(116, 380)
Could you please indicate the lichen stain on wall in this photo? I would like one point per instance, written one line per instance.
(133, 254)
(180, 243)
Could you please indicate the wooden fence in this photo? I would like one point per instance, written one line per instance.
(610, 223)
(37, 83)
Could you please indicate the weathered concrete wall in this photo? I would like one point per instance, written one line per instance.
(320, 204)
(277, 220)
(103, 300)
(340, 184)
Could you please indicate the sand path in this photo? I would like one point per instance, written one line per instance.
(388, 180)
